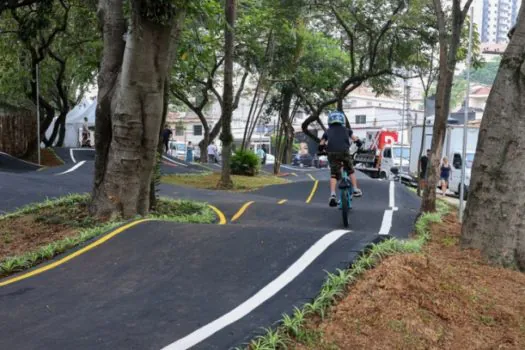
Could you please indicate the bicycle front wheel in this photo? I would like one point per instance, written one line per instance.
(344, 206)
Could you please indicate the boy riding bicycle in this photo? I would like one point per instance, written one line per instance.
(336, 142)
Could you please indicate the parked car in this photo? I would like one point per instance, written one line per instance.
(270, 159)
(303, 160)
(177, 149)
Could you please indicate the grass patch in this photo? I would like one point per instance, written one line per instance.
(39, 232)
(209, 181)
(294, 328)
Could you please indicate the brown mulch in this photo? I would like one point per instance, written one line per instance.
(49, 158)
(29, 232)
(443, 298)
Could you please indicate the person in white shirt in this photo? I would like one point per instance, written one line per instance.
(212, 153)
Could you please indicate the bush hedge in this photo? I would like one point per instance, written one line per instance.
(245, 163)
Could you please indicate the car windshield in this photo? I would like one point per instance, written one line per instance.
(398, 151)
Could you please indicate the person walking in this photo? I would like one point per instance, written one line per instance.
(444, 175)
(189, 152)
(423, 167)
(166, 135)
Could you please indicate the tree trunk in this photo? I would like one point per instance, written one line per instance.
(287, 123)
(160, 150)
(226, 135)
(448, 48)
(494, 222)
(129, 111)
(428, 203)
(60, 124)
(278, 147)
(422, 145)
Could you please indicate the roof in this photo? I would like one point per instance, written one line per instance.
(481, 91)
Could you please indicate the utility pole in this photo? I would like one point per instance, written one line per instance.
(465, 122)
(403, 113)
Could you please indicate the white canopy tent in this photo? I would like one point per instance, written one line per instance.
(74, 121)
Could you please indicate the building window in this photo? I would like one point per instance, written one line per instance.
(360, 119)
(179, 129)
(197, 130)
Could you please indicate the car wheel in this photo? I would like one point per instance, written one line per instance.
(382, 175)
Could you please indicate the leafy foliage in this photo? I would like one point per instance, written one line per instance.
(245, 162)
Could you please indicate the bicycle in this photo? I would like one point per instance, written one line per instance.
(345, 193)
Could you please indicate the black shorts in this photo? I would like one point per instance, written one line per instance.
(337, 160)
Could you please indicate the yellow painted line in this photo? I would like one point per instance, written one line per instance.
(294, 174)
(73, 255)
(314, 189)
(311, 177)
(220, 214)
(241, 211)
(282, 201)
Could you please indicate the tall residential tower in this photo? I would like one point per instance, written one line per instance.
(494, 19)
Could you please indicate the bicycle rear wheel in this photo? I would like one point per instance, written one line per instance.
(344, 206)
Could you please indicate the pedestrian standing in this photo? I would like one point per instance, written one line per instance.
(262, 155)
(211, 152)
(423, 167)
(166, 135)
(189, 153)
(86, 142)
(265, 152)
(445, 175)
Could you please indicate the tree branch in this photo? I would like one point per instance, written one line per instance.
(239, 91)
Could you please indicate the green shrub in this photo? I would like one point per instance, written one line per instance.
(245, 163)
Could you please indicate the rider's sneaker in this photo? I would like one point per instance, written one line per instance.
(333, 201)
(357, 192)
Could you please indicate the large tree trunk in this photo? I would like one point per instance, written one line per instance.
(226, 135)
(494, 222)
(448, 48)
(130, 110)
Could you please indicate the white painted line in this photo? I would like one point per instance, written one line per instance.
(71, 155)
(311, 177)
(73, 168)
(386, 224)
(71, 150)
(261, 296)
(297, 169)
(391, 199)
(217, 165)
(173, 161)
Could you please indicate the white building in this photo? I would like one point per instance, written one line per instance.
(494, 19)
(367, 111)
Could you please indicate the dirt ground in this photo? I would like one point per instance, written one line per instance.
(29, 232)
(49, 158)
(443, 298)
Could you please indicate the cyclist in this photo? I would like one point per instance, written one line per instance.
(336, 142)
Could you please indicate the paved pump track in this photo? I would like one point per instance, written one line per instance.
(176, 286)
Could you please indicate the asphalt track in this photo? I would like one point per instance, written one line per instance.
(15, 165)
(157, 282)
